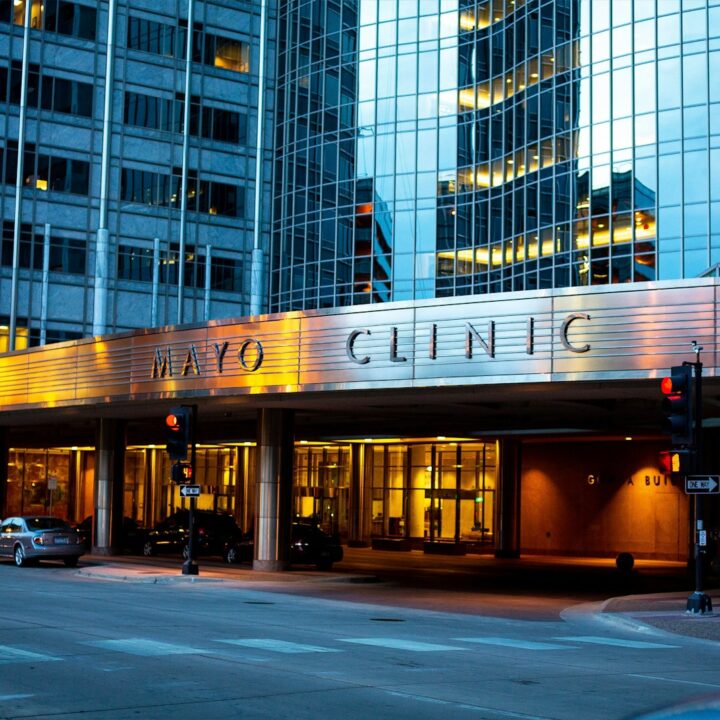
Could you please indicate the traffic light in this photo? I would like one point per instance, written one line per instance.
(181, 473)
(675, 462)
(177, 432)
(678, 404)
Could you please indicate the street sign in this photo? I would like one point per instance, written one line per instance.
(189, 490)
(702, 484)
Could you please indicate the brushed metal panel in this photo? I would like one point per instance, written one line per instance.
(632, 332)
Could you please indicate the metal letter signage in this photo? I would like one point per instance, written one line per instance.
(191, 361)
(564, 333)
(259, 355)
(488, 347)
(350, 347)
(394, 357)
(162, 364)
(220, 351)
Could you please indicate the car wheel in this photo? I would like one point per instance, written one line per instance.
(232, 555)
(148, 549)
(19, 556)
(71, 561)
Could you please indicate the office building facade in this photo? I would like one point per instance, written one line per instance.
(116, 200)
(482, 228)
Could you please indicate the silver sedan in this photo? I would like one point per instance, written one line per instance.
(32, 538)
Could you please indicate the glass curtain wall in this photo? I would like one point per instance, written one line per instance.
(434, 492)
(494, 145)
(321, 485)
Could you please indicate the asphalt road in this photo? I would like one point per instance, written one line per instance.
(74, 646)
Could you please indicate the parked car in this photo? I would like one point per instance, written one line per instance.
(132, 536)
(32, 538)
(215, 533)
(309, 545)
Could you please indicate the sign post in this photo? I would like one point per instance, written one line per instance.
(698, 602)
(190, 566)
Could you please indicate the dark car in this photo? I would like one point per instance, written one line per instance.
(215, 534)
(32, 538)
(132, 535)
(309, 545)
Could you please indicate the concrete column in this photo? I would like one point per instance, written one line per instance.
(357, 531)
(507, 509)
(416, 493)
(273, 489)
(4, 459)
(109, 480)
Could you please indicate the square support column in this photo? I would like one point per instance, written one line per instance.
(273, 487)
(507, 521)
(109, 481)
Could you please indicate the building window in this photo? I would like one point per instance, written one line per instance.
(226, 53)
(135, 263)
(148, 111)
(225, 274)
(65, 18)
(67, 255)
(43, 172)
(153, 37)
(208, 48)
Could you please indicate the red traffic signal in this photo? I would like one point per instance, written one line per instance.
(178, 429)
(677, 405)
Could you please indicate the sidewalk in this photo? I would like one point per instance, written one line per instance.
(666, 611)
(663, 611)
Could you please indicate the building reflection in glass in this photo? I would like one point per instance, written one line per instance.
(509, 144)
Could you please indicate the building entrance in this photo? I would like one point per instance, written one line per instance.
(436, 492)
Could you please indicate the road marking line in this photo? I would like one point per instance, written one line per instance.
(465, 706)
(146, 648)
(617, 642)
(15, 655)
(397, 644)
(3, 698)
(281, 646)
(520, 644)
(665, 679)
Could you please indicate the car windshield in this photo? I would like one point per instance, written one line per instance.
(46, 523)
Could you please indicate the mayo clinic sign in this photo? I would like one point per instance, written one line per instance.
(576, 334)
(251, 352)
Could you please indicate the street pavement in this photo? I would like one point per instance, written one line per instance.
(382, 636)
(568, 586)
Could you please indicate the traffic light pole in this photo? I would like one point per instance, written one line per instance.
(190, 566)
(698, 601)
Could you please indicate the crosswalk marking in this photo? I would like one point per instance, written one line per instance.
(617, 642)
(146, 648)
(281, 646)
(398, 644)
(519, 644)
(16, 655)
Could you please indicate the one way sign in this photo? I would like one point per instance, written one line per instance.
(702, 484)
(190, 490)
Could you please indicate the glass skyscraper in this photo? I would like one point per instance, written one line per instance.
(444, 147)
(409, 149)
